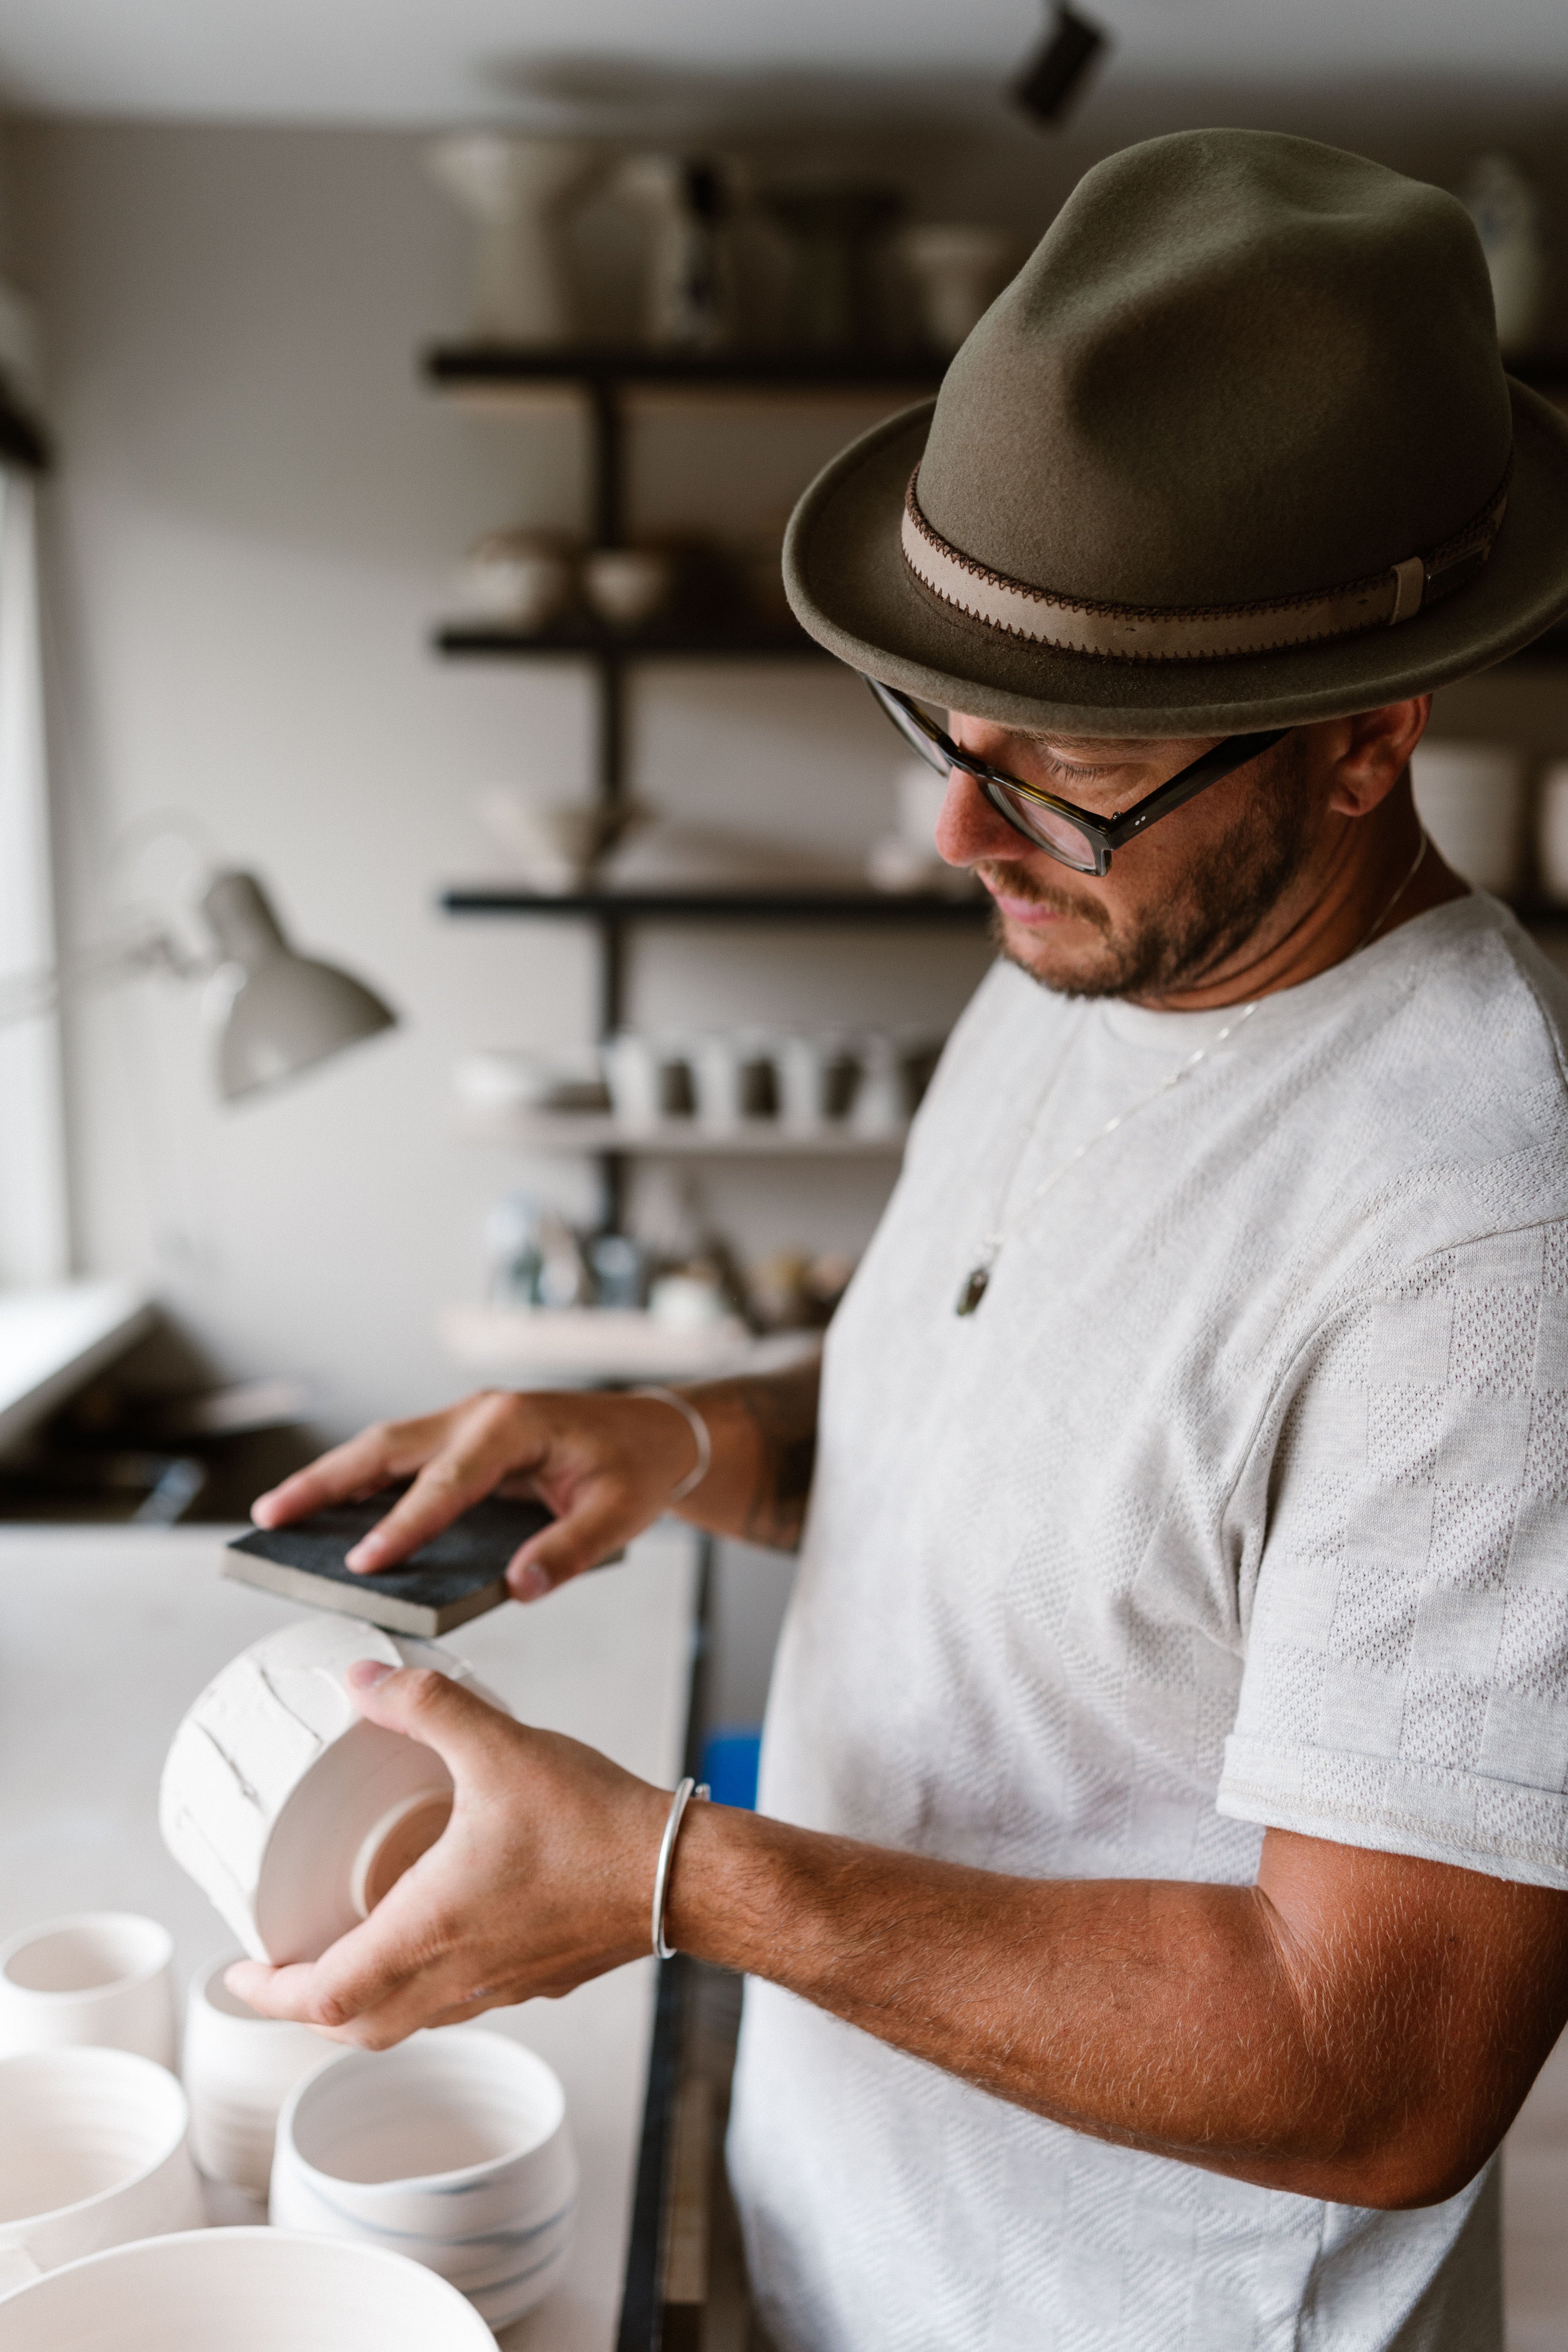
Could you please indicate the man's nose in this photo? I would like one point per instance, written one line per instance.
(969, 829)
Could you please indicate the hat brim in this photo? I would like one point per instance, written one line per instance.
(853, 591)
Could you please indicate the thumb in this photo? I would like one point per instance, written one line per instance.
(441, 1714)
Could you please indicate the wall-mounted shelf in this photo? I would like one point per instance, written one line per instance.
(463, 640)
(23, 441)
(468, 368)
(870, 908)
(609, 383)
(590, 1343)
(677, 1138)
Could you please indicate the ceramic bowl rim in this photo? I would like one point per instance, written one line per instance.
(415, 2183)
(46, 1929)
(72, 2054)
(357, 2248)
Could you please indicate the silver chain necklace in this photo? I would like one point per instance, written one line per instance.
(979, 1278)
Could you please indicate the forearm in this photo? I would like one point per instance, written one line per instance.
(764, 1450)
(1163, 2016)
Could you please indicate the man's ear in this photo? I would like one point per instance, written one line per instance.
(1371, 753)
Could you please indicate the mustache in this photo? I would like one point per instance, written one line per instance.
(1018, 882)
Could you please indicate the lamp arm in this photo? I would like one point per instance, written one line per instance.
(29, 995)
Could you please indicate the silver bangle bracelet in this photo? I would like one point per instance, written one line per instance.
(700, 1431)
(682, 1798)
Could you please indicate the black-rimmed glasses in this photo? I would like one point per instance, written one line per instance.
(1073, 835)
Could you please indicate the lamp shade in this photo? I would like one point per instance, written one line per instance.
(285, 1011)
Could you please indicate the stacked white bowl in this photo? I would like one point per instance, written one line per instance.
(239, 2067)
(453, 2148)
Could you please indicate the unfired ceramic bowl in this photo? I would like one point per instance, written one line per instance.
(452, 2148)
(242, 2290)
(92, 2154)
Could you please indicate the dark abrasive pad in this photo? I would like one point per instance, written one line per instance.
(458, 1574)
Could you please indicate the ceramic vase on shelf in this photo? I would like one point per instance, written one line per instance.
(959, 270)
(688, 297)
(1502, 202)
(519, 193)
(833, 227)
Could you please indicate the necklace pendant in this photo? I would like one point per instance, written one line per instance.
(974, 1290)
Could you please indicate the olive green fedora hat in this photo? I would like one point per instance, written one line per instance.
(1234, 450)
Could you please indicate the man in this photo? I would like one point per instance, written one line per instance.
(1157, 1910)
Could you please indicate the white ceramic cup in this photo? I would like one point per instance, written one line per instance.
(100, 1976)
(245, 2291)
(239, 2069)
(634, 1073)
(452, 2148)
(1552, 830)
(801, 1061)
(718, 1058)
(1470, 797)
(92, 2154)
(880, 1105)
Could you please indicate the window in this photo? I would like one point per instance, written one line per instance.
(34, 1222)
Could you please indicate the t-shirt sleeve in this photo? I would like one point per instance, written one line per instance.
(1406, 1684)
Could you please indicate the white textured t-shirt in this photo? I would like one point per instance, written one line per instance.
(1243, 1499)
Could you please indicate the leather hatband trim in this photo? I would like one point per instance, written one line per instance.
(1198, 632)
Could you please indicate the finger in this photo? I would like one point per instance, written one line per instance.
(463, 1472)
(596, 1527)
(360, 1466)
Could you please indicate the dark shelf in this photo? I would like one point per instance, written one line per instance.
(468, 367)
(467, 640)
(1536, 910)
(615, 906)
(23, 442)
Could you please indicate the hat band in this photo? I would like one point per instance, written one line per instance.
(1201, 632)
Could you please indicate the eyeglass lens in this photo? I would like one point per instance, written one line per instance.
(1037, 824)
(1042, 825)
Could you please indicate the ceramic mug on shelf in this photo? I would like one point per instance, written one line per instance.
(92, 2154)
(100, 1976)
(454, 2148)
(246, 2289)
(239, 2069)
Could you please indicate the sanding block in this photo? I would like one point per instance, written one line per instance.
(458, 1574)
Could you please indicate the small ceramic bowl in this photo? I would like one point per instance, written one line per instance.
(628, 586)
(92, 2154)
(247, 2291)
(239, 2069)
(516, 579)
(100, 1976)
(452, 2148)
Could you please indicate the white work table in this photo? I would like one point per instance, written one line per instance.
(107, 1635)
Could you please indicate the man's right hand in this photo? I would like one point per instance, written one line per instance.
(606, 1466)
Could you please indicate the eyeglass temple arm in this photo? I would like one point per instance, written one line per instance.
(1223, 760)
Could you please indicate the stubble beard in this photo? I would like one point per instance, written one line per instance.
(1225, 900)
